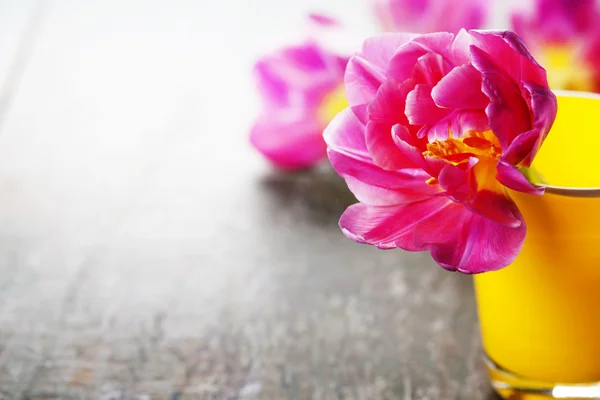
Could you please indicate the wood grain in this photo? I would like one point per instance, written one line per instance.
(146, 252)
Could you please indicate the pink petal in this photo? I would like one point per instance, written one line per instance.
(362, 79)
(457, 238)
(407, 183)
(443, 228)
(272, 87)
(462, 121)
(508, 49)
(298, 76)
(390, 227)
(385, 111)
(390, 102)
(383, 149)
(402, 138)
(480, 244)
(429, 69)
(557, 21)
(521, 148)
(494, 206)
(345, 134)
(420, 108)
(407, 134)
(413, 148)
(361, 113)
(366, 71)
(412, 188)
(429, 16)
(544, 108)
(289, 145)
(460, 89)
(458, 122)
(348, 154)
(380, 49)
(454, 181)
(512, 178)
(323, 20)
(403, 62)
(306, 57)
(507, 111)
(460, 47)
(461, 185)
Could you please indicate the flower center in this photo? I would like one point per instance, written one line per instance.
(566, 69)
(333, 103)
(482, 145)
(457, 151)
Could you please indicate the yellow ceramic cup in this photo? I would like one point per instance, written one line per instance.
(540, 316)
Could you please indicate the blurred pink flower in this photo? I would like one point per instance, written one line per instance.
(437, 128)
(564, 35)
(302, 89)
(423, 16)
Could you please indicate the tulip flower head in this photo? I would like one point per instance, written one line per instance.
(436, 132)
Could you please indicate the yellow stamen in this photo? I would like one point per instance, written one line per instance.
(331, 105)
(458, 150)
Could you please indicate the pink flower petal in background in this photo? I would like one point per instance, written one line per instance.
(301, 90)
(556, 20)
(323, 20)
(564, 35)
(424, 16)
(289, 145)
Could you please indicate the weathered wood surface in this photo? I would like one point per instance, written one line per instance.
(146, 252)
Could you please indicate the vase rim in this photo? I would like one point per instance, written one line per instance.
(576, 93)
(571, 191)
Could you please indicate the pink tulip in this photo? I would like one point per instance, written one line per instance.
(436, 130)
(302, 89)
(423, 16)
(564, 35)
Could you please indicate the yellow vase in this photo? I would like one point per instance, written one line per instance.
(540, 316)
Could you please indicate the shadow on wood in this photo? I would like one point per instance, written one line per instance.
(318, 194)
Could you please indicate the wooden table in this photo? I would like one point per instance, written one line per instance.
(147, 252)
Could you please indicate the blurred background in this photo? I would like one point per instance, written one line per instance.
(148, 252)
